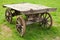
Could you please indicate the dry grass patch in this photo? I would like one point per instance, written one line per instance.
(5, 31)
(57, 38)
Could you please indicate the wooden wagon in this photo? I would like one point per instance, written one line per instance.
(32, 12)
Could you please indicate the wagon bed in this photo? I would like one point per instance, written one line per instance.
(27, 8)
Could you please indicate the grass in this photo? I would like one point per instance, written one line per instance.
(33, 32)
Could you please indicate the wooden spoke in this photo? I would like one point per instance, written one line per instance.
(45, 15)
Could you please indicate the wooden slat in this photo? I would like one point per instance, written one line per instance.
(31, 22)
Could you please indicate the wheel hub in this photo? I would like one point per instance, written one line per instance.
(44, 20)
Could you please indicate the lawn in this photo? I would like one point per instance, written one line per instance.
(33, 32)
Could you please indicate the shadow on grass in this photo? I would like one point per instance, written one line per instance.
(35, 32)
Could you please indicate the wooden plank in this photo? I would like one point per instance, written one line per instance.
(31, 22)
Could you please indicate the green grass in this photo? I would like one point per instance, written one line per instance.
(33, 32)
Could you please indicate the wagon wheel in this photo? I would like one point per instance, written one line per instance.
(20, 25)
(46, 20)
(8, 15)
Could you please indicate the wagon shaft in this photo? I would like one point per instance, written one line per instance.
(29, 8)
